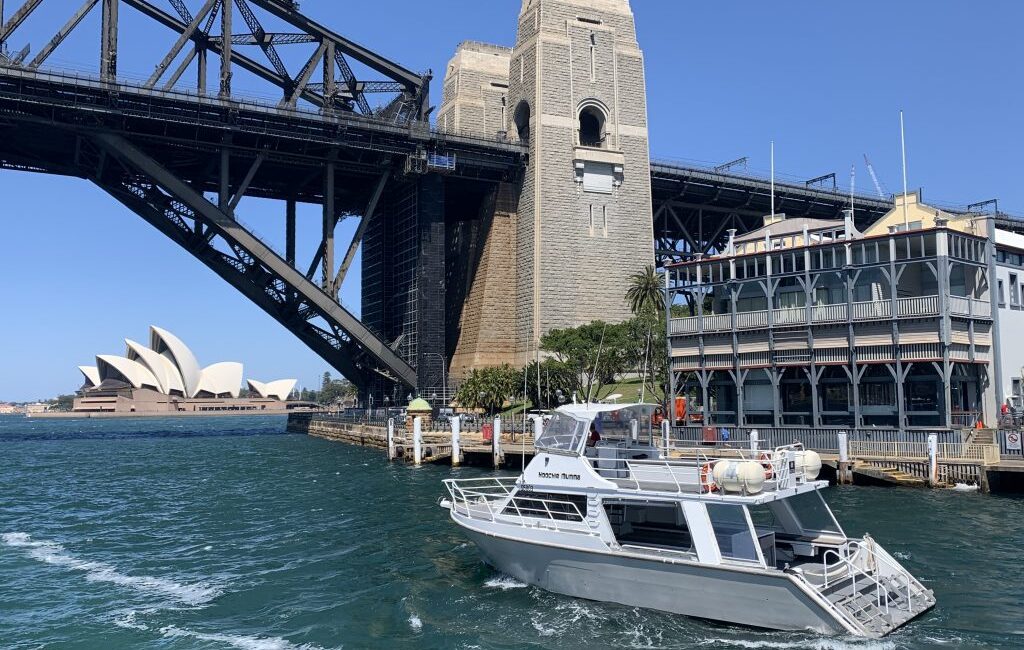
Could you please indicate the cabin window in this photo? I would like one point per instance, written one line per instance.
(561, 432)
(655, 525)
(733, 532)
(813, 514)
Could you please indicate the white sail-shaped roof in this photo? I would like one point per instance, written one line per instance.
(111, 366)
(221, 378)
(162, 368)
(169, 345)
(92, 375)
(279, 389)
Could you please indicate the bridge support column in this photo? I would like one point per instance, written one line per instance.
(456, 446)
(289, 232)
(108, 41)
(225, 50)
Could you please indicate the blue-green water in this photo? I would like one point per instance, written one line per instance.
(227, 533)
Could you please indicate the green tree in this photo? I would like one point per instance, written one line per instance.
(645, 291)
(490, 388)
(595, 352)
(556, 383)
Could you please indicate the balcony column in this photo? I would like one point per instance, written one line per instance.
(945, 325)
(733, 297)
(670, 399)
(993, 301)
(896, 368)
(849, 281)
(776, 378)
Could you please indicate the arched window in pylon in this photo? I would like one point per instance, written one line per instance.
(521, 119)
(592, 118)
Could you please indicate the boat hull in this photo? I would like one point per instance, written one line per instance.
(753, 598)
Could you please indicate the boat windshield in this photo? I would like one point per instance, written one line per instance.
(562, 432)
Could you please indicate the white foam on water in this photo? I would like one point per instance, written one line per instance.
(900, 555)
(241, 641)
(415, 623)
(53, 553)
(504, 582)
(808, 644)
(542, 629)
(126, 619)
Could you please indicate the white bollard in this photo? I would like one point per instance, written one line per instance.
(417, 440)
(496, 443)
(666, 430)
(933, 459)
(755, 440)
(456, 449)
(391, 438)
(843, 441)
(634, 430)
(538, 427)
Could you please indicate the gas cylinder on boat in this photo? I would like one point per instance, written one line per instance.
(739, 476)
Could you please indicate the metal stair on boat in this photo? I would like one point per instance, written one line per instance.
(862, 601)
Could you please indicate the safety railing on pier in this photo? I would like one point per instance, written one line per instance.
(823, 439)
(950, 451)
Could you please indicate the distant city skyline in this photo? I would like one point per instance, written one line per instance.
(825, 82)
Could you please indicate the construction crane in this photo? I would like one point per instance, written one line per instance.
(874, 178)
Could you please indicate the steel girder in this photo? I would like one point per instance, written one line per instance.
(334, 52)
(238, 256)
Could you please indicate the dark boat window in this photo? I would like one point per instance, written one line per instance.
(548, 505)
(735, 539)
(658, 525)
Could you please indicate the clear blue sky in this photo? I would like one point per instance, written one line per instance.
(825, 81)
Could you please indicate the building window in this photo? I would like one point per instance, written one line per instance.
(604, 214)
(591, 127)
(1014, 291)
(1002, 294)
(591, 218)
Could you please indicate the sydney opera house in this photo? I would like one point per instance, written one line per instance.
(166, 378)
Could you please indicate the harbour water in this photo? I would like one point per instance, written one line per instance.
(229, 533)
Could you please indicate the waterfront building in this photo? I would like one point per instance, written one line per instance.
(167, 377)
(9, 409)
(810, 323)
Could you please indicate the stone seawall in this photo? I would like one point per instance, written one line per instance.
(355, 434)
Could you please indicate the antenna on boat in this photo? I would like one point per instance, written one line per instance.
(903, 150)
(597, 365)
(773, 179)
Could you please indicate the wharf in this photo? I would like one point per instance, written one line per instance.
(511, 448)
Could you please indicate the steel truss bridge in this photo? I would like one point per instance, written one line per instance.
(182, 155)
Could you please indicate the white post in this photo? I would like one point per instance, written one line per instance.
(538, 428)
(456, 450)
(666, 428)
(496, 443)
(634, 430)
(417, 440)
(843, 440)
(391, 438)
(754, 440)
(933, 459)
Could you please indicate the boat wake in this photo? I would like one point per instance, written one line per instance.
(241, 641)
(53, 553)
(804, 644)
(504, 582)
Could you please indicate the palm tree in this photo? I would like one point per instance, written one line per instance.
(645, 292)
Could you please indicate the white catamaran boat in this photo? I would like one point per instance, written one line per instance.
(605, 512)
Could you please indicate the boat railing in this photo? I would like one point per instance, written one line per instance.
(494, 499)
(857, 561)
(691, 470)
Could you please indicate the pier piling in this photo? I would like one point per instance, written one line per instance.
(496, 443)
(754, 439)
(666, 429)
(391, 438)
(843, 476)
(456, 449)
(417, 440)
(933, 459)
